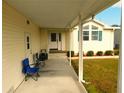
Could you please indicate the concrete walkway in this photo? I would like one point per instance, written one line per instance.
(96, 57)
(56, 77)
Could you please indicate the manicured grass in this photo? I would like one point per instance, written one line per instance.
(102, 73)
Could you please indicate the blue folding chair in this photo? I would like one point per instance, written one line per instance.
(29, 71)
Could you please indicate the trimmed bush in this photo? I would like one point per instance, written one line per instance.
(99, 53)
(90, 53)
(116, 52)
(108, 53)
(68, 53)
(83, 54)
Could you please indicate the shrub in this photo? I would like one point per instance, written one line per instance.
(83, 54)
(116, 52)
(108, 53)
(99, 53)
(68, 53)
(90, 53)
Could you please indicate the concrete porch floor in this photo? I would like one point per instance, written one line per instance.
(56, 77)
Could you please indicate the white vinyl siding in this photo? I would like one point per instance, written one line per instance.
(13, 47)
(103, 42)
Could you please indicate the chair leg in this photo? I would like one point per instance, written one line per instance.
(35, 78)
(38, 75)
(26, 77)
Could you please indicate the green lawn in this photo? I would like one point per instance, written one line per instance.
(102, 73)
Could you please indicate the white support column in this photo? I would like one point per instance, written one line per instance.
(120, 65)
(70, 46)
(80, 51)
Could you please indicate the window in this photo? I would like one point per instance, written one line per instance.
(94, 27)
(28, 43)
(97, 35)
(94, 35)
(53, 36)
(85, 35)
(86, 27)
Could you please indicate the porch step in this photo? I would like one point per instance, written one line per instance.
(57, 51)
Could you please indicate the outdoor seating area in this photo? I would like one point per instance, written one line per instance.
(30, 71)
(39, 63)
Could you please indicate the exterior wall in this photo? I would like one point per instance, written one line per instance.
(14, 27)
(67, 42)
(63, 41)
(105, 44)
(75, 43)
(44, 39)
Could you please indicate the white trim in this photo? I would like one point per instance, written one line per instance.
(80, 51)
(70, 47)
(120, 75)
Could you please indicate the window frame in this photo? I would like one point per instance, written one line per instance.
(97, 35)
(99, 32)
(53, 37)
(85, 35)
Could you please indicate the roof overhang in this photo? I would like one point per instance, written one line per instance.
(59, 13)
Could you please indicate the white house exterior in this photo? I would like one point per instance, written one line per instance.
(96, 37)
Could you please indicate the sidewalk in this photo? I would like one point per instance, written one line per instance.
(95, 57)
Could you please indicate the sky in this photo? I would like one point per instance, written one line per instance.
(111, 15)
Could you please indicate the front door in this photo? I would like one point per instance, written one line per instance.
(28, 50)
(55, 41)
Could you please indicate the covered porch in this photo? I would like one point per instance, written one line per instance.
(26, 26)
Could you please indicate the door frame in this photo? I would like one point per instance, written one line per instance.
(28, 46)
(58, 42)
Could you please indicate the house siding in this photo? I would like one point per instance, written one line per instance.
(44, 39)
(14, 27)
(94, 45)
(63, 41)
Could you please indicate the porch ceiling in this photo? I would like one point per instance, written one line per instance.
(59, 13)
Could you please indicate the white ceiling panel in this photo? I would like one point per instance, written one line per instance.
(59, 13)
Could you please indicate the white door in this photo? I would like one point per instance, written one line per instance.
(28, 49)
(55, 41)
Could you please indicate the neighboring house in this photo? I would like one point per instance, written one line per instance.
(96, 37)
